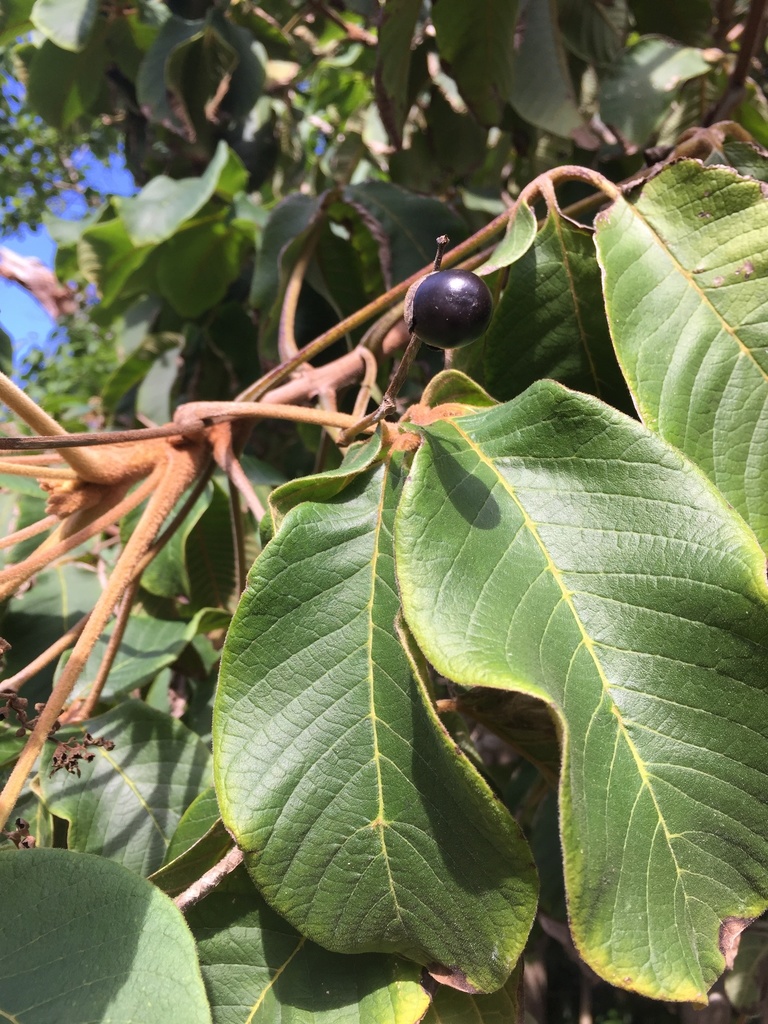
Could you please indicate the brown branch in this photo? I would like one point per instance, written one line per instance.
(181, 468)
(286, 334)
(88, 706)
(12, 577)
(86, 439)
(751, 39)
(208, 882)
(28, 531)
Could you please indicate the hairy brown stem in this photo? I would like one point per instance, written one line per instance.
(12, 577)
(207, 882)
(84, 464)
(88, 706)
(28, 531)
(181, 468)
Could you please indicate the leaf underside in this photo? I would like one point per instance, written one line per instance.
(364, 826)
(555, 547)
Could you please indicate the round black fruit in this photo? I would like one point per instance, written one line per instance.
(448, 308)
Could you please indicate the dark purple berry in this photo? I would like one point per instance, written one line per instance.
(448, 308)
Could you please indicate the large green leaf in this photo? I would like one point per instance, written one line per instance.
(503, 1007)
(542, 90)
(258, 970)
(128, 801)
(107, 257)
(68, 24)
(198, 264)
(162, 206)
(84, 940)
(556, 547)
(638, 90)
(594, 30)
(147, 646)
(550, 320)
(14, 19)
(363, 824)
(686, 285)
(63, 85)
(477, 42)
(209, 556)
(407, 226)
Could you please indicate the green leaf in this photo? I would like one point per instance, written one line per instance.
(187, 867)
(393, 63)
(162, 206)
(82, 940)
(686, 285)
(152, 92)
(542, 91)
(201, 815)
(362, 823)
(14, 19)
(132, 372)
(503, 1007)
(6, 353)
(639, 88)
(408, 226)
(550, 320)
(454, 386)
(555, 547)
(209, 556)
(128, 801)
(63, 85)
(57, 599)
(593, 29)
(67, 24)
(198, 264)
(148, 645)
(477, 42)
(746, 985)
(258, 970)
(291, 226)
(747, 159)
(107, 258)
(519, 237)
(154, 399)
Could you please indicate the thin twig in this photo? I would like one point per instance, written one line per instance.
(87, 439)
(238, 537)
(88, 706)
(286, 334)
(83, 463)
(751, 39)
(57, 648)
(208, 882)
(29, 531)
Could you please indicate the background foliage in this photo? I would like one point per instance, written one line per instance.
(462, 688)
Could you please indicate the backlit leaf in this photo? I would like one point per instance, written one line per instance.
(686, 286)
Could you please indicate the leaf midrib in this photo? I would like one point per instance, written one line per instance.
(586, 640)
(380, 822)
